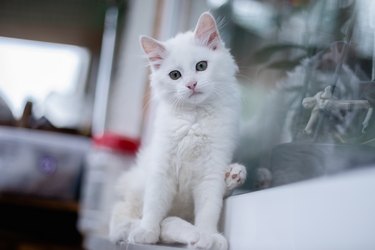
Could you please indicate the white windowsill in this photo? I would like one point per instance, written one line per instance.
(337, 212)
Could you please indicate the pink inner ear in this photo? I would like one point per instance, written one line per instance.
(210, 38)
(154, 50)
(213, 41)
(155, 58)
(206, 32)
(156, 53)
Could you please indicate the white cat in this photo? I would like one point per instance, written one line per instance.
(181, 177)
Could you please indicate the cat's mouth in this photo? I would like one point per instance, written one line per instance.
(195, 93)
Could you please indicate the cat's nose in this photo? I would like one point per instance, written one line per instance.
(191, 85)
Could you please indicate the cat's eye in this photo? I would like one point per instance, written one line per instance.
(201, 66)
(175, 74)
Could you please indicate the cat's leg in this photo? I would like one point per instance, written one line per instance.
(122, 222)
(208, 200)
(235, 176)
(159, 193)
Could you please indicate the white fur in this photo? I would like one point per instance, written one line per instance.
(181, 172)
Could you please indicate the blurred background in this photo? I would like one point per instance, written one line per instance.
(75, 103)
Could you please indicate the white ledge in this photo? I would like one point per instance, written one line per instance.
(336, 212)
(332, 213)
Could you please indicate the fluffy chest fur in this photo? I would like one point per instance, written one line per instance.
(190, 138)
(193, 140)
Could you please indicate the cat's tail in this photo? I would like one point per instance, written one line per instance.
(264, 178)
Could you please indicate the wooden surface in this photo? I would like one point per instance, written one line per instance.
(38, 202)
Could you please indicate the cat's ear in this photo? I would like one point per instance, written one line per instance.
(206, 31)
(154, 50)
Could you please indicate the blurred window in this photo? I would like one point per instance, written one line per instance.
(33, 70)
(307, 75)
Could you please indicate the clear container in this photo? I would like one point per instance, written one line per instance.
(110, 156)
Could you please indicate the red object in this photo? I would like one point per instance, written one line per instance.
(117, 142)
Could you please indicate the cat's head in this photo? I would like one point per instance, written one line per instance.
(193, 67)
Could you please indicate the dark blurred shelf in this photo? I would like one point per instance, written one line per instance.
(30, 223)
(37, 202)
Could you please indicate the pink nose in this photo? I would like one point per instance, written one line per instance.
(191, 85)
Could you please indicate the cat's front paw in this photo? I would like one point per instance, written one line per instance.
(119, 234)
(177, 230)
(144, 235)
(119, 231)
(235, 176)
